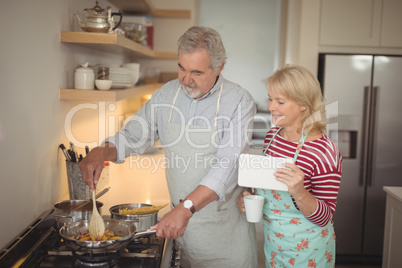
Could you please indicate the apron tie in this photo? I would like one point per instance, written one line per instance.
(299, 146)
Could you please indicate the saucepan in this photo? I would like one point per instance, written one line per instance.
(75, 210)
(124, 229)
(141, 222)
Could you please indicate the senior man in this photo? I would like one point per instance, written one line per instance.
(202, 120)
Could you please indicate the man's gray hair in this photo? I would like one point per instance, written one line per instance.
(203, 38)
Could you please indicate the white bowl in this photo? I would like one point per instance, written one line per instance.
(103, 84)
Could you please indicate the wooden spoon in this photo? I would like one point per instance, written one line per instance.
(96, 224)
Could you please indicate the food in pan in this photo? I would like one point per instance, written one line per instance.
(108, 235)
(141, 210)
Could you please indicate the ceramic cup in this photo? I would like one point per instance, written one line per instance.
(253, 205)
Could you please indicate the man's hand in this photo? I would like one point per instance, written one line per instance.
(92, 165)
(174, 223)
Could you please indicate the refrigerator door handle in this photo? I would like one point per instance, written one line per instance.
(365, 136)
(372, 135)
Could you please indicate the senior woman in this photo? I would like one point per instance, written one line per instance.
(298, 227)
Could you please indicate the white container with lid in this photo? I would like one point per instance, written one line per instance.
(84, 77)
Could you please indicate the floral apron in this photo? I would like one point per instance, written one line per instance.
(290, 239)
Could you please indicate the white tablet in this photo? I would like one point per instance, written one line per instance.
(257, 171)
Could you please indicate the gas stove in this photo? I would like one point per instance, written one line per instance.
(40, 245)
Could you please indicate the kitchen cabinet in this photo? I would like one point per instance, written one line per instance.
(391, 27)
(393, 233)
(364, 23)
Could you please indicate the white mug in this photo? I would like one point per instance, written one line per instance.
(253, 205)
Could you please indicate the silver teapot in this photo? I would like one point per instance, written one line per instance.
(98, 21)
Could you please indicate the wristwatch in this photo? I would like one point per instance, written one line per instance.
(188, 204)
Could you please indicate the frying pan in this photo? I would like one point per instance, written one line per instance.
(124, 229)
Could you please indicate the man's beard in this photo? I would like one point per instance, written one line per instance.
(189, 89)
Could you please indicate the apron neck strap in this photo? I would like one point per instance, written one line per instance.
(217, 105)
(174, 101)
(299, 146)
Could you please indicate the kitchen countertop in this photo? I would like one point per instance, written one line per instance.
(395, 192)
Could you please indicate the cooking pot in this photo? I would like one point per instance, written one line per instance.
(141, 222)
(73, 210)
(126, 230)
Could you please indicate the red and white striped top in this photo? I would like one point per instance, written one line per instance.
(321, 163)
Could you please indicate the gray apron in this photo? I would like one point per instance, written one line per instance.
(217, 235)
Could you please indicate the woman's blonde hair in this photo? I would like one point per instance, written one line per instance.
(299, 85)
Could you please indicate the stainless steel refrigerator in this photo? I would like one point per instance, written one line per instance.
(364, 105)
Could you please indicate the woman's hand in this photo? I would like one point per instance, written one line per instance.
(293, 177)
(240, 202)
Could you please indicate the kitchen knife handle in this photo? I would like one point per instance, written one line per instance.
(63, 149)
(101, 193)
(72, 155)
(74, 151)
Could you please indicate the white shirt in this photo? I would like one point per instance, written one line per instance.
(234, 127)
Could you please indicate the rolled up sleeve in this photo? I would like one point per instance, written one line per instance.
(137, 135)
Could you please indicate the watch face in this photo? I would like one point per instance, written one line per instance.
(188, 204)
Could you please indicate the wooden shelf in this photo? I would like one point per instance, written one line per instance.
(118, 44)
(111, 95)
(113, 43)
(145, 7)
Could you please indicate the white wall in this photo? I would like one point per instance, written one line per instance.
(301, 29)
(34, 66)
(251, 34)
(250, 31)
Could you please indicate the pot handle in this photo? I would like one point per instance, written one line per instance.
(121, 17)
(144, 233)
(61, 215)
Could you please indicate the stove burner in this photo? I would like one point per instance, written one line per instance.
(105, 260)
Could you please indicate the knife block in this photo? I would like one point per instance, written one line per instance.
(77, 189)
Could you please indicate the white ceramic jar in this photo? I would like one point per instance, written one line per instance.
(84, 78)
